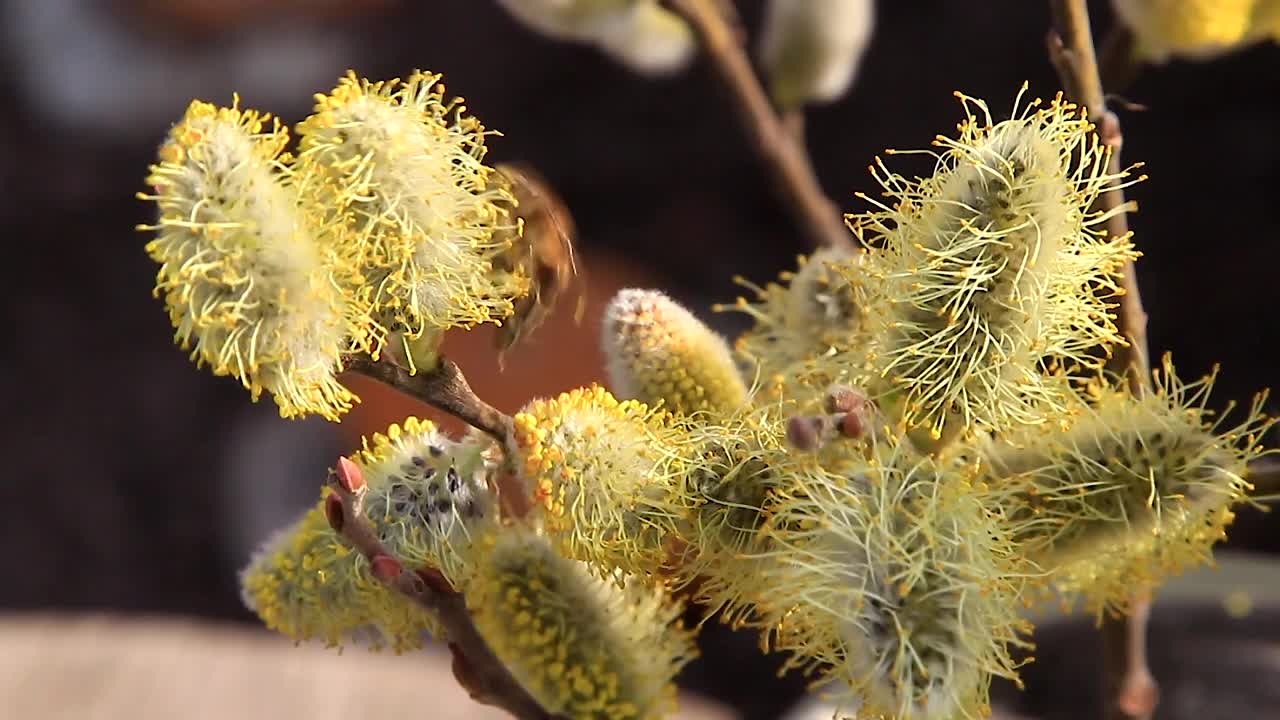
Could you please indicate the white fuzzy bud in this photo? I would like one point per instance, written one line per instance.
(812, 48)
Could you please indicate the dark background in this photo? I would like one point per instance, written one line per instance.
(134, 482)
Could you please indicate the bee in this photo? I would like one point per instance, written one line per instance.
(544, 251)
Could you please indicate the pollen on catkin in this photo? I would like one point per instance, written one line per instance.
(602, 472)
(807, 327)
(428, 495)
(991, 268)
(245, 284)
(308, 584)
(394, 174)
(426, 498)
(1137, 489)
(660, 354)
(736, 467)
(583, 646)
(890, 578)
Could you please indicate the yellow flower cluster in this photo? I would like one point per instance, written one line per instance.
(582, 645)
(1137, 488)
(384, 227)
(602, 471)
(427, 498)
(929, 440)
(308, 585)
(242, 277)
(661, 355)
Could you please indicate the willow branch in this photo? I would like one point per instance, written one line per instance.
(477, 669)
(785, 158)
(1130, 689)
(445, 387)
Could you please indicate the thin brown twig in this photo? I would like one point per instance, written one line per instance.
(786, 160)
(1130, 689)
(477, 669)
(445, 387)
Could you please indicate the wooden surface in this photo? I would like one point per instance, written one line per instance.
(99, 667)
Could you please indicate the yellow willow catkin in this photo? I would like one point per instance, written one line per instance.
(1135, 490)
(583, 646)
(660, 354)
(737, 466)
(805, 334)
(1198, 29)
(990, 268)
(306, 583)
(601, 471)
(427, 497)
(888, 576)
(394, 174)
(244, 282)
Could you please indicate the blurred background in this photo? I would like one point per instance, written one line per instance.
(138, 486)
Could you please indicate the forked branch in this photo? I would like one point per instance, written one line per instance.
(475, 666)
(445, 388)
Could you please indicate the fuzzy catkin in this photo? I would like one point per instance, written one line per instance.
(1136, 489)
(601, 473)
(807, 328)
(393, 174)
(888, 574)
(307, 584)
(1199, 29)
(583, 646)
(660, 354)
(428, 495)
(245, 283)
(988, 270)
(811, 49)
(427, 498)
(641, 34)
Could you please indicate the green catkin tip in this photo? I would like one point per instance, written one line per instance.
(583, 646)
(660, 354)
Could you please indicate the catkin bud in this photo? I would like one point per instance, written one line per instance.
(658, 352)
(818, 313)
(425, 496)
(393, 173)
(991, 265)
(309, 585)
(886, 573)
(640, 34)
(1137, 488)
(584, 647)
(428, 495)
(811, 48)
(1198, 29)
(245, 284)
(602, 472)
(735, 467)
